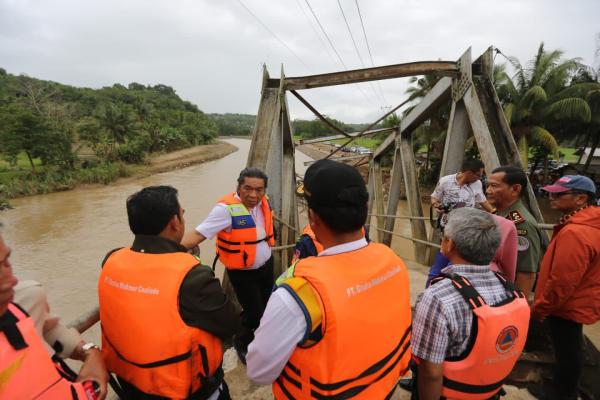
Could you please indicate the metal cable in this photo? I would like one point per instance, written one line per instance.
(333, 47)
(362, 63)
(274, 35)
(368, 46)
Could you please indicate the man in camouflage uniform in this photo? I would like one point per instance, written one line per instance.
(505, 186)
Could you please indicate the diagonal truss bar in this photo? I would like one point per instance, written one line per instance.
(432, 100)
(318, 114)
(353, 134)
(384, 116)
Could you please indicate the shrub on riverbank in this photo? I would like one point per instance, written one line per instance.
(55, 179)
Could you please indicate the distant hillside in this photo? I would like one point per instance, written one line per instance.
(234, 124)
(118, 122)
(53, 136)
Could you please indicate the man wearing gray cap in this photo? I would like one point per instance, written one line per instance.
(337, 325)
(569, 281)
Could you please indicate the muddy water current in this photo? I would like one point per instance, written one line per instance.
(60, 239)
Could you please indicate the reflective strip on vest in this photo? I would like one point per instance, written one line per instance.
(237, 248)
(364, 353)
(146, 342)
(23, 356)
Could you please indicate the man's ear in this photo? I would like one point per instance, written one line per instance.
(517, 187)
(174, 223)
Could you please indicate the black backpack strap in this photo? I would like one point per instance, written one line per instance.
(8, 327)
(510, 286)
(467, 291)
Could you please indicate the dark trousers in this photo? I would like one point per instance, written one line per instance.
(126, 391)
(253, 288)
(567, 337)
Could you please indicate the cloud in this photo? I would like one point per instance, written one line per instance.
(212, 52)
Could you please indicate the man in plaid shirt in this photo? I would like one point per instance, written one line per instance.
(442, 321)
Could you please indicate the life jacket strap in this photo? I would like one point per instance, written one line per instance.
(510, 286)
(154, 364)
(8, 326)
(266, 238)
(473, 389)
(378, 371)
(467, 291)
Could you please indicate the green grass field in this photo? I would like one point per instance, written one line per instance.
(569, 156)
(369, 143)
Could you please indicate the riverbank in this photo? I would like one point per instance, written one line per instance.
(114, 173)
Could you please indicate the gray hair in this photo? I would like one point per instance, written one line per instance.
(475, 234)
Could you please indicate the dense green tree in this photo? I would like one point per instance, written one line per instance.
(540, 96)
(22, 130)
(316, 128)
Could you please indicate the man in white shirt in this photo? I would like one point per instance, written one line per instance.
(243, 224)
(336, 316)
(463, 189)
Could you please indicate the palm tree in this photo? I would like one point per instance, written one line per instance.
(539, 96)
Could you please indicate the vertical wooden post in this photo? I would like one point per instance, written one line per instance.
(508, 149)
(289, 206)
(481, 131)
(413, 197)
(267, 120)
(371, 191)
(394, 194)
(379, 198)
(459, 129)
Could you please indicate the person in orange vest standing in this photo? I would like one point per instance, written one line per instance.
(163, 314)
(468, 299)
(243, 224)
(33, 344)
(337, 325)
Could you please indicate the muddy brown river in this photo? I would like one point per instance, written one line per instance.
(60, 239)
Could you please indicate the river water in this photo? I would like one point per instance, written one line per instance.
(60, 239)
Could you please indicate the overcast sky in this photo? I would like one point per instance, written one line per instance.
(211, 52)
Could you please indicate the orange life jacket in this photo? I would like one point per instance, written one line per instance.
(308, 231)
(144, 340)
(501, 331)
(364, 338)
(26, 369)
(237, 248)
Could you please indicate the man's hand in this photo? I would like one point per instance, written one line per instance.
(94, 369)
(438, 206)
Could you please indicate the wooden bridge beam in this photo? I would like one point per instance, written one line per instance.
(446, 68)
(353, 134)
(394, 193)
(413, 197)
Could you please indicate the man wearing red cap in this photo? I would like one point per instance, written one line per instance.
(569, 281)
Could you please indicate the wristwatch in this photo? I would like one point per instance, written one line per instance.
(89, 346)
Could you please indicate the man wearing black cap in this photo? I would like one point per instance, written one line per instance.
(338, 323)
(569, 281)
